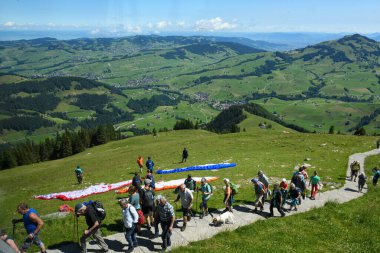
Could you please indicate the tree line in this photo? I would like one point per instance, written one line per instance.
(63, 145)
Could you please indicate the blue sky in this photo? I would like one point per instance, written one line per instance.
(157, 16)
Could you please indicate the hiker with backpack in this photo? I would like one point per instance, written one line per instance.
(8, 240)
(149, 176)
(361, 181)
(165, 214)
(260, 191)
(295, 197)
(33, 224)
(299, 181)
(264, 179)
(149, 164)
(314, 181)
(79, 174)
(130, 219)
(276, 200)
(228, 195)
(134, 200)
(147, 203)
(93, 221)
(140, 162)
(185, 155)
(186, 197)
(206, 190)
(190, 183)
(355, 168)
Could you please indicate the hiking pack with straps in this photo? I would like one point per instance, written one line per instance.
(148, 198)
(234, 188)
(99, 209)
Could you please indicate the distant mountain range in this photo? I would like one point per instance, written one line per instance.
(267, 41)
(84, 82)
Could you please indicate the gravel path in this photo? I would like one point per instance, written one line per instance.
(199, 229)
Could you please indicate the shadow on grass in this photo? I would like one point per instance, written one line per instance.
(114, 227)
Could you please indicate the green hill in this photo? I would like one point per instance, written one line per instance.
(334, 83)
(276, 152)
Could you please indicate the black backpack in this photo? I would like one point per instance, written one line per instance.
(148, 198)
(99, 209)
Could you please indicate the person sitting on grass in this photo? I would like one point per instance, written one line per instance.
(8, 240)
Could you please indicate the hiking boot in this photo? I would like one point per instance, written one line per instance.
(206, 213)
(183, 228)
(188, 218)
(201, 216)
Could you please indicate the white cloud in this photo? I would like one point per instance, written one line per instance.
(181, 24)
(9, 24)
(133, 29)
(50, 24)
(214, 24)
(162, 24)
(95, 31)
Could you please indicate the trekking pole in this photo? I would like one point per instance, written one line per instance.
(196, 202)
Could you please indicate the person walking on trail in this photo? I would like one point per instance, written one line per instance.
(228, 195)
(140, 162)
(264, 179)
(130, 219)
(190, 183)
(134, 200)
(295, 197)
(186, 197)
(156, 217)
(93, 222)
(8, 240)
(276, 201)
(79, 174)
(376, 176)
(355, 168)
(284, 190)
(150, 165)
(361, 181)
(260, 191)
(166, 216)
(33, 224)
(147, 203)
(206, 190)
(299, 181)
(150, 176)
(314, 182)
(185, 155)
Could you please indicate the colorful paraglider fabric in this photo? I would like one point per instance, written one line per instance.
(172, 184)
(216, 166)
(94, 189)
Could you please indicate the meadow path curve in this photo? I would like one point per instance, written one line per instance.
(199, 229)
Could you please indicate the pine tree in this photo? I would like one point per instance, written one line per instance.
(9, 159)
(331, 130)
(66, 149)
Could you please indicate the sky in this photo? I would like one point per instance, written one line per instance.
(121, 17)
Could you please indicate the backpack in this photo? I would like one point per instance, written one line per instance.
(148, 198)
(99, 209)
(234, 188)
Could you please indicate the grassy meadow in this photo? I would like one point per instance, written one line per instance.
(276, 151)
(349, 227)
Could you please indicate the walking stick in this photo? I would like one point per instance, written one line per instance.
(196, 202)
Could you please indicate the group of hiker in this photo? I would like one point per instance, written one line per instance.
(143, 206)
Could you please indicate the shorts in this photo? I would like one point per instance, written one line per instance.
(147, 210)
(28, 242)
(185, 211)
